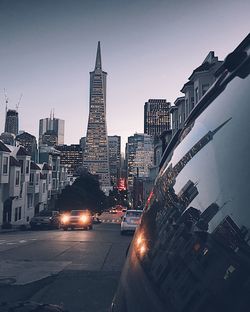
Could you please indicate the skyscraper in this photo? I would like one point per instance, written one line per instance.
(114, 158)
(52, 124)
(11, 121)
(139, 157)
(156, 116)
(95, 156)
(28, 141)
(71, 157)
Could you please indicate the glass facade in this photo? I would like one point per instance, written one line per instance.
(156, 116)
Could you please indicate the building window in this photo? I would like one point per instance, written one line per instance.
(19, 212)
(43, 187)
(16, 213)
(37, 178)
(21, 163)
(5, 164)
(27, 167)
(205, 87)
(17, 178)
(32, 179)
(196, 95)
(30, 200)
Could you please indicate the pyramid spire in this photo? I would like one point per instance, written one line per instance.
(98, 62)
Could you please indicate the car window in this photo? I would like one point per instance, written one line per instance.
(133, 214)
(76, 212)
(45, 213)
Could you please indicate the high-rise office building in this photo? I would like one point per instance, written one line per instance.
(95, 156)
(71, 157)
(11, 121)
(28, 141)
(114, 143)
(50, 138)
(156, 116)
(52, 124)
(8, 138)
(139, 157)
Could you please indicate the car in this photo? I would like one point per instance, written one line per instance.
(45, 219)
(77, 219)
(191, 252)
(96, 219)
(130, 221)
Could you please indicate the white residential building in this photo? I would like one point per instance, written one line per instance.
(26, 187)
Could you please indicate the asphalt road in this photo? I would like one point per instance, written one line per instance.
(78, 269)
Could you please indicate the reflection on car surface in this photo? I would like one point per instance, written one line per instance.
(77, 219)
(191, 252)
(130, 221)
(45, 219)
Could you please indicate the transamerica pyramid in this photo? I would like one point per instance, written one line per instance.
(95, 156)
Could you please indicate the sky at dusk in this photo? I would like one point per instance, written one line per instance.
(149, 49)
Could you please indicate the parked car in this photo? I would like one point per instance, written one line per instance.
(130, 221)
(48, 219)
(96, 219)
(191, 252)
(77, 219)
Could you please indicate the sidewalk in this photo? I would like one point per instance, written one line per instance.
(13, 229)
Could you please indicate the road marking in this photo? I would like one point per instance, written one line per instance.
(112, 221)
(22, 241)
(10, 243)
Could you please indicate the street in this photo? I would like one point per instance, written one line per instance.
(78, 269)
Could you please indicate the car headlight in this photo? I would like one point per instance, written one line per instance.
(84, 219)
(65, 219)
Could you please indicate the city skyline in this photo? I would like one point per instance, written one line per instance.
(150, 49)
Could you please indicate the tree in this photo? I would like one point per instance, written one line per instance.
(84, 193)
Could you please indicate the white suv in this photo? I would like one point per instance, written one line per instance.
(130, 220)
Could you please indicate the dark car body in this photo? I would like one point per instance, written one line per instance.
(45, 219)
(77, 219)
(191, 252)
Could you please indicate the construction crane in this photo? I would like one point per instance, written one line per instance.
(6, 99)
(18, 103)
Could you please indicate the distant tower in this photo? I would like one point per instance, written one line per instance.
(11, 121)
(95, 156)
(49, 126)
